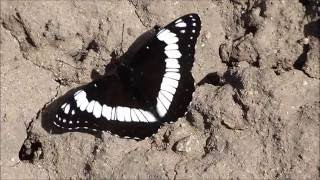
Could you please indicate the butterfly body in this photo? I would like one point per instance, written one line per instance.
(153, 87)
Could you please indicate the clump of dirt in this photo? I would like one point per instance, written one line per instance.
(254, 115)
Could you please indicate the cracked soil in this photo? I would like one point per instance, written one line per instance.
(254, 114)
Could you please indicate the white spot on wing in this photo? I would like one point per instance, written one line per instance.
(172, 63)
(97, 110)
(90, 106)
(171, 47)
(120, 113)
(172, 60)
(168, 95)
(172, 75)
(166, 34)
(67, 108)
(63, 106)
(148, 116)
(171, 40)
(134, 116)
(162, 33)
(172, 70)
(56, 124)
(161, 109)
(126, 112)
(141, 116)
(181, 24)
(106, 112)
(82, 101)
(80, 95)
(83, 104)
(173, 53)
(166, 103)
(77, 92)
(168, 88)
(170, 82)
(178, 21)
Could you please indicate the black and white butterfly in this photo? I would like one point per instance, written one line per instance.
(153, 87)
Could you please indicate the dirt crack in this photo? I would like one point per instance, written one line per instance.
(135, 5)
(31, 149)
(166, 172)
(88, 165)
(243, 107)
(28, 36)
(23, 53)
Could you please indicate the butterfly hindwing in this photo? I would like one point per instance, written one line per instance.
(107, 105)
(154, 87)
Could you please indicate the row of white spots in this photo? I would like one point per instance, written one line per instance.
(71, 128)
(65, 121)
(93, 129)
(172, 76)
(180, 24)
(119, 113)
(193, 24)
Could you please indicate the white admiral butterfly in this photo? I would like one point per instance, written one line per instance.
(153, 87)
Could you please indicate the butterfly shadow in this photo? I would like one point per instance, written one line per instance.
(49, 112)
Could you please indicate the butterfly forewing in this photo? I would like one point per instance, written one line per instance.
(156, 86)
(163, 67)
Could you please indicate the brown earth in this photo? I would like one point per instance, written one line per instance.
(254, 115)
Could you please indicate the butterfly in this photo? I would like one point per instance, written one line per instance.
(153, 87)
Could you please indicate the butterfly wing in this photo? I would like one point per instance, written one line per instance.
(106, 104)
(162, 68)
(154, 87)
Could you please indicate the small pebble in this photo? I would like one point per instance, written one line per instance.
(305, 41)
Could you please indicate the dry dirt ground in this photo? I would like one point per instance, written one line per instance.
(255, 111)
